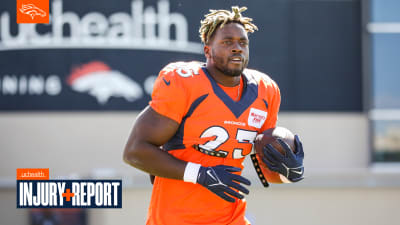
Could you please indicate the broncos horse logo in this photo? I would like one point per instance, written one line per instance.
(32, 10)
(100, 81)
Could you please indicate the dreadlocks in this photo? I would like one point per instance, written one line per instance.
(218, 18)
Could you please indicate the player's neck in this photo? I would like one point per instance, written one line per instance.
(221, 78)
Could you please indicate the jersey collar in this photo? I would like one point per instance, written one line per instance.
(249, 95)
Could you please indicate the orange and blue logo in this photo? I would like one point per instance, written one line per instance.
(36, 190)
(33, 11)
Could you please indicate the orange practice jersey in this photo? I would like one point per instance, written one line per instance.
(214, 130)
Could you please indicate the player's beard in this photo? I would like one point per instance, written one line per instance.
(222, 64)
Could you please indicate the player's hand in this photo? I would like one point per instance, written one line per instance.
(221, 181)
(289, 165)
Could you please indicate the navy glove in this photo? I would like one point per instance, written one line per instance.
(289, 165)
(221, 181)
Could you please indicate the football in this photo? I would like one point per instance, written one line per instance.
(270, 136)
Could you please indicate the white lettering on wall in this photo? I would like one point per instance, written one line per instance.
(144, 28)
(30, 85)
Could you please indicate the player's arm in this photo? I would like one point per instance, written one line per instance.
(142, 151)
(273, 98)
(290, 166)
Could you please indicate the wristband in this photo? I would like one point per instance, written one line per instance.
(191, 172)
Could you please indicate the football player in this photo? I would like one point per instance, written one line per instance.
(200, 125)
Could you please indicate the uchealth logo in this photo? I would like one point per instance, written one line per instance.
(100, 81)
(137, 24)
(33, 174)
(33, 11)
(36, 190)
(256, 117)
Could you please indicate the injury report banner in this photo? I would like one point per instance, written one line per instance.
(36, 190)
(103, 55)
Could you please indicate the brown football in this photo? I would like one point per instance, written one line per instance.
(270, 136)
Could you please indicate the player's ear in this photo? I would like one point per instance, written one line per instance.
(207, 51)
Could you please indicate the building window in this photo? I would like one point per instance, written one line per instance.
(384, 36)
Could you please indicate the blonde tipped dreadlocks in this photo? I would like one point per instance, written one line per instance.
(218, 18)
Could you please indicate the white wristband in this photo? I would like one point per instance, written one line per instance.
(191, 172)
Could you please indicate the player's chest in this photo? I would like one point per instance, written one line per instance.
(221, 127)
(211, 109)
